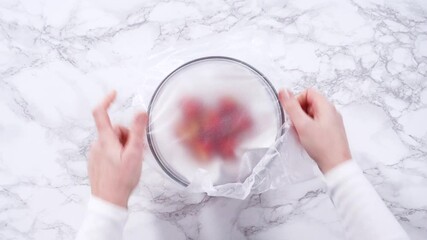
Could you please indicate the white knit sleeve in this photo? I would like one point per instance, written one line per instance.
(362, 211)
(104, 221)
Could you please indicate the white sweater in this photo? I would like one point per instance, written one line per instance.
(363, 213)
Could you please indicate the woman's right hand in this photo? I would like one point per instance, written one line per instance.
(319, 127)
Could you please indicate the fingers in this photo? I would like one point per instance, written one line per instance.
(305, 104)
(318, 103)
(302, 99)
(293, 107)
(136, 133)
(122, 133)
(100, 114)
(314, 103)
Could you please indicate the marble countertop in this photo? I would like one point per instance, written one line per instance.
(58, 58)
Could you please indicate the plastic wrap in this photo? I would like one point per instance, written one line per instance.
(215, 123)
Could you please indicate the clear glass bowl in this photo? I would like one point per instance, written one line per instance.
(208, 78)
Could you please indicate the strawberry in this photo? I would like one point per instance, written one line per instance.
(188, 129)
(192, 108)
(227, 105)
(242, 121)
(211, 125)
(203, 149)
(226, 148)
(217, 130)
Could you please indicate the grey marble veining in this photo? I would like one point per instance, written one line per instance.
(58, 58)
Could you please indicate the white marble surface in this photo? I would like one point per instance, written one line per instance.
(58, 58)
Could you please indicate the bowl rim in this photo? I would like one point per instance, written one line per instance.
(150, 140)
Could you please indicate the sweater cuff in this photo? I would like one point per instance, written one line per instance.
(342, 173)
(108, 210)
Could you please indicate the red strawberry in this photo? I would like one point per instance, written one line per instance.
(207, 132)
(192, 108)
(227, 105)
(211, 125)
(188, 129)
(202, 149)
(242, 121)
(226, 148)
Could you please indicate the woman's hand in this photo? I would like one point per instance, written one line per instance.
(115, 159)
(319, 127)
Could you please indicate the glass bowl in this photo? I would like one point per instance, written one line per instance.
(208, 79)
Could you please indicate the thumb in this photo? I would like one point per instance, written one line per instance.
(294, 109)
(135, 142)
